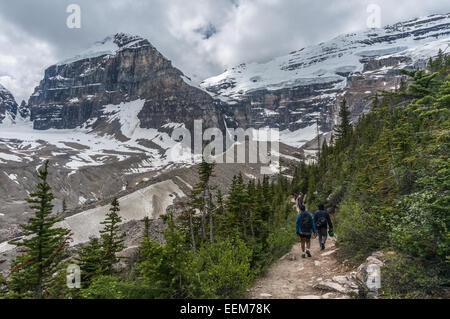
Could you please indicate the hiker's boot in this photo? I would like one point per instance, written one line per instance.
(322, 246)
(308, 253)
(303, 255)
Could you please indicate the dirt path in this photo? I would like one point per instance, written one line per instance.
(293, 277)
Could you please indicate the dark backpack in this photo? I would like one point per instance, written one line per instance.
(305, 223)
(321, 222)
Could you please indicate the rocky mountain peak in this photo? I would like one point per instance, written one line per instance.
(109, 46)
(125, 39)
(8, 105)
(121, 68)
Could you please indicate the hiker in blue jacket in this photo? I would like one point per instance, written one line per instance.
(322, 221)
(304, 228)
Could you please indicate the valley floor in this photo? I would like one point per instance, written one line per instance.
(293, 277)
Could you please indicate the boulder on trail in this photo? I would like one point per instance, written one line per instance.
(342, 284)
(369, 273)
(364, 282)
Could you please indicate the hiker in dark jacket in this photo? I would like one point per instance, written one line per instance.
(322, 221)
(300, 198)
(304, 227)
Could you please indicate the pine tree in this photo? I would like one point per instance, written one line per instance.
(64, 207)
(251, 195)
(200, 199)
(164, 268)
(260, 202)
(343, 129)
(220, 214)
(236, 207)
(146, 227)
(220, 203)
(206, 172)
(422, 85)
(403, 86)
(112, 242)
(91, 262)
(43, 247)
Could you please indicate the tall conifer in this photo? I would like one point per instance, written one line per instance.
(43, 246)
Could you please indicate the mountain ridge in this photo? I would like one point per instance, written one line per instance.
(295, 91)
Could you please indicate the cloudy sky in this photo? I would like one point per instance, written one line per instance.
(201, 37)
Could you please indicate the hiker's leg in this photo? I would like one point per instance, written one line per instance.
(308, 246)
(320, 236)
(303, 240)
(324, 235)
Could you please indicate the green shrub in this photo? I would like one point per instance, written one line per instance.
(280, 242)
(360, 232)
(113, 287)
(407, 277)
(221, 270)
(420, 229)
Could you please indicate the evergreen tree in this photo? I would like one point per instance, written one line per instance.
(165, 268)
(91, 262)
(423, 83)
(343, 129)
(205, 173)
(112, 241)
(252, 206)
(64, 207)
(146, 227)
(236, 207)
(43, 247)
(220, 203)
(200, 199)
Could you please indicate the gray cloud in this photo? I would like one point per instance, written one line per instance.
(201, 37)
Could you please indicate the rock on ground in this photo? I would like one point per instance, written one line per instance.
(364, 282)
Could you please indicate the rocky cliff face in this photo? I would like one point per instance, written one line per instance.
(121, 68)
(292, 92)
(8, 106)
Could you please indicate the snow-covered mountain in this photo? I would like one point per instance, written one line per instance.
(103, 118)
(121, 68)
(8, 106)
(116, 101)
(293, 91)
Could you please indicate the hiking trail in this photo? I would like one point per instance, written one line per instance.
(293, 277)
